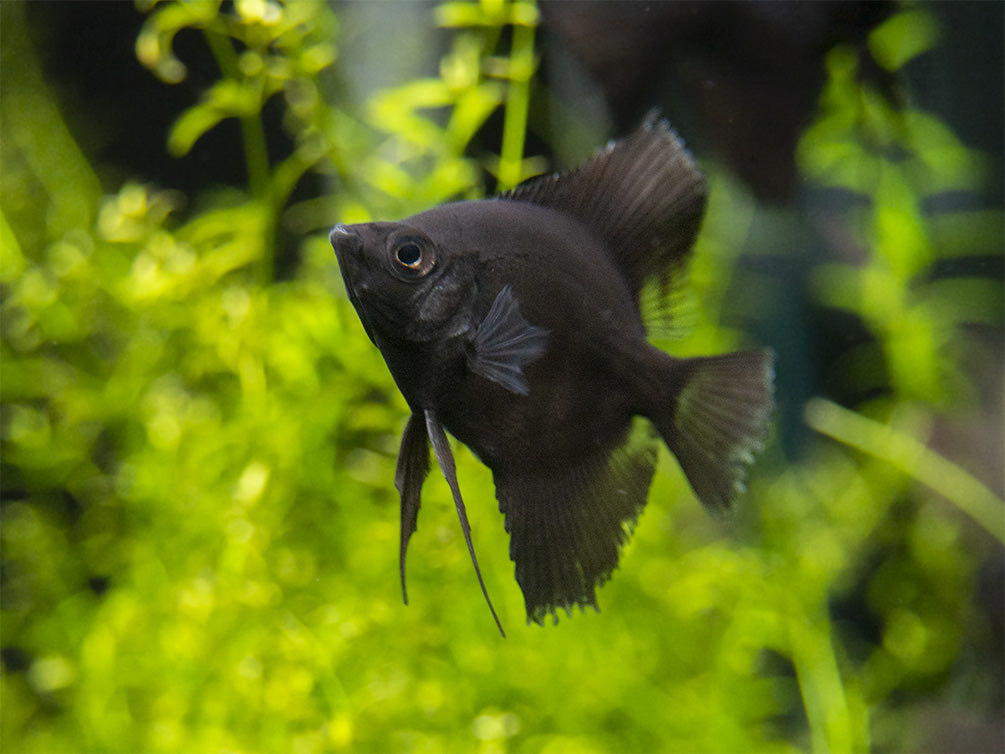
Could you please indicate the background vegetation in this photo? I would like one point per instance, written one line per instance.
(199, 523)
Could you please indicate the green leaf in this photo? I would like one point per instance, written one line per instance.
(225, 99)
(903, 37)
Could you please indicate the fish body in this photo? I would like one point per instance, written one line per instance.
(575, 382)
(515, 323)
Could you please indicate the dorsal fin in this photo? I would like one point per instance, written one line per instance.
(643, 195)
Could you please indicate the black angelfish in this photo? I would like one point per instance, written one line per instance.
(514, 323)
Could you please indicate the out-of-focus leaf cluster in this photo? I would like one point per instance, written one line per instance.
(199, 521)
(909, 160)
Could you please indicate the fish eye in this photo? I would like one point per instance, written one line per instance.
(409, 255)
(415, 258)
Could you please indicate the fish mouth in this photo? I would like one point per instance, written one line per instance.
(359, 273)
(348, 248)
(343, 238)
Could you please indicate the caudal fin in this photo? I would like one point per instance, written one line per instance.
(715, 418)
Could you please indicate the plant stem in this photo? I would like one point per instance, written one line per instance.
(914, 458)
(256, 155)
(521, 69)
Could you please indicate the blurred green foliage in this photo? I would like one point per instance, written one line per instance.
(199, 523)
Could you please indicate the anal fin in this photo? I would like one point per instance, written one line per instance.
(567, 524)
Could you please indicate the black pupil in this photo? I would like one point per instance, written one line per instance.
(409, 255)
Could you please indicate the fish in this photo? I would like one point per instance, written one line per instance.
(516, 324)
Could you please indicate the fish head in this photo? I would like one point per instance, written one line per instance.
(404, 285)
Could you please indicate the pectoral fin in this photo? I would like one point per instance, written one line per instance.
(445, 458)
(413, 465)
(505, 342)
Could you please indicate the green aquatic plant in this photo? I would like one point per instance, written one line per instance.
(199, 524)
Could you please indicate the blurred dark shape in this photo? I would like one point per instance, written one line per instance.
(15, 659)
(117, 109)
(99, 584)
(963, 82)
(121, 114)
(953, 729)
(741, 79)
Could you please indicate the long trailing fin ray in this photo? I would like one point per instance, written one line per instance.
(714, 420)
(413, 466)
(505, 342)
(567, 525)
(643, 195)
(445, 457)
